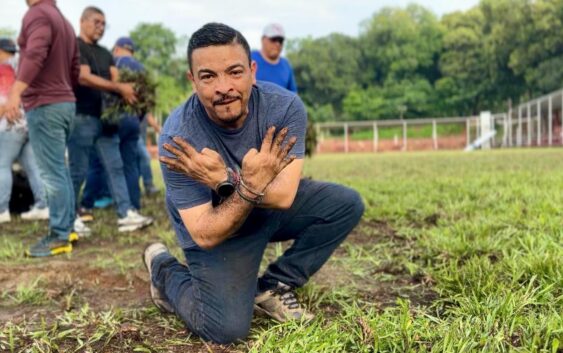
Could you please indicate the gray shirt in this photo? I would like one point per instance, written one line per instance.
(269, 105)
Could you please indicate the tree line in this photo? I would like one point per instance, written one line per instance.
(407, 62)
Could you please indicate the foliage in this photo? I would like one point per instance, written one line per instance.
(145, 91)
(406, 59)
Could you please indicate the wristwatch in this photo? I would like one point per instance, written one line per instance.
(227, 188)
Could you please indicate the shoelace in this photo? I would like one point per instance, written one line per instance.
(287, 297)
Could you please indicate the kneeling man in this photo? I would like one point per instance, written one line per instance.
(232, 157)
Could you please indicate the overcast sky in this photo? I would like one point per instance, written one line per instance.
(300, 18)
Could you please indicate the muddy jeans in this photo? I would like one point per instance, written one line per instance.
(214, 294)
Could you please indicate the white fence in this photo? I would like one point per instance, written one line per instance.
(533, 123)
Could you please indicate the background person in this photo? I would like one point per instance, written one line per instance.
(15, 145)
(99, 74)
(47, 71)
(272, 67)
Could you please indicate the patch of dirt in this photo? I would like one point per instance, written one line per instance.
(69, 284)
(413, 144)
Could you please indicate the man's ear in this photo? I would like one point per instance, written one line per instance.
(190, 76)
(253, 68)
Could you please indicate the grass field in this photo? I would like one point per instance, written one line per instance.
(457, 252)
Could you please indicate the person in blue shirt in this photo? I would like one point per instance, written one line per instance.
(231, 158)
(271, 66)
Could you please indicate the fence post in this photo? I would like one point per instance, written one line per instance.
(485, 119)
(434, 134)
(538, 113)
(529, 123)
(519, 136)
(346, 137)
(468, 132)
(375, 137)
(404, 135)
(509, 128)
(550, 121)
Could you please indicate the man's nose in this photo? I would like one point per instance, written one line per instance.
(223, 84)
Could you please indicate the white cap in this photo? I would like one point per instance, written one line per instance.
(273, 30)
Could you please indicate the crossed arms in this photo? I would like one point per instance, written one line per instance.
(270, 171)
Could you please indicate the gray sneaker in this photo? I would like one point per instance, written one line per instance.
(281, 304)
(157, 297)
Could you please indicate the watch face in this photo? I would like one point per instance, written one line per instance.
(226, 189)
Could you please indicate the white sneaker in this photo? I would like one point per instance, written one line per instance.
(133, 221)
(81, 229)
(36, 214)
(5, 217)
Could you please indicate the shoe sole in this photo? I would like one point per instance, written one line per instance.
(35, 218)
(160, 307)
(87, 218)
(134, 227)
(55, 251)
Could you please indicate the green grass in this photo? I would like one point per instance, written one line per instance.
(458, 252)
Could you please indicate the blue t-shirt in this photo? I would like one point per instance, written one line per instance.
(280, 73)
(269, 105)
(128, 62)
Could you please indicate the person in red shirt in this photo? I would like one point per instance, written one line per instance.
(15, 145)
(49, 67)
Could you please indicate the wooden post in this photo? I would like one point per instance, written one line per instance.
(404, 135)
(468, 131)
(529, 123)
(550, 121)
(346, 137)
(538, 114)
(375, 137)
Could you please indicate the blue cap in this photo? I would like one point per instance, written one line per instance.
(8, 45)
(126, 43)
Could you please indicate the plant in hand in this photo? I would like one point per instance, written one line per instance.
(114, 106)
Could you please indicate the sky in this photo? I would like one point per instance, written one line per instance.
(301, 18)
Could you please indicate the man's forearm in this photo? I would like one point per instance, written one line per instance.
(216, 224)
(100, 83)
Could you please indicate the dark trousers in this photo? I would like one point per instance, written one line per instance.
(214, 294)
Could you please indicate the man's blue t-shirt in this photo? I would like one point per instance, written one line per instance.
(269, 105)
(128, 62)
(280, 73)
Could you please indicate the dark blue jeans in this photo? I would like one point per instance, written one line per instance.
(49, 129)
(117, 155)
(144, 158)
(214, 294)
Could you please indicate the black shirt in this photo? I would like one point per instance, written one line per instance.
(89, 100)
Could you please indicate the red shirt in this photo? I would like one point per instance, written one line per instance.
(49, 57)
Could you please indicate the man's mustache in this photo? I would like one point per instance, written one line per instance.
(225, 98)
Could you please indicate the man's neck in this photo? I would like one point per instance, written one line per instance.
(268, 60)
(85, 39)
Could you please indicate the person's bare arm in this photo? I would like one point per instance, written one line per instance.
(87, 78)
(208, 225)
(12, 108)
(152, 122)
(281, 192)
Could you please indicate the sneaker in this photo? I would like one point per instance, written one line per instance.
(158, 299)
(80, 229)
(133, 221)
(5, 217)
(85, 214)
(36, 214)
(104, 202)
(281, 304)
(151, 190)
(49, 246)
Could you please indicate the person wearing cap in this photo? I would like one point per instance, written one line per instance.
(123, 141)
(98, 81)
(272, 67)
(47, 71)
(14, 141)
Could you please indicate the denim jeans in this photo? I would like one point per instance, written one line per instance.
(86, 130)
(116, 154)
(16, 145)
(214, 294)
(144, 158)
(49, 130)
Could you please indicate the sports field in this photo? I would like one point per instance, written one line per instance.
(457, 252)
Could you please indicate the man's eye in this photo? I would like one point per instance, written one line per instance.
(236, 72)
(205, 77)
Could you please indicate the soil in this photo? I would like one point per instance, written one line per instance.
(413, 144)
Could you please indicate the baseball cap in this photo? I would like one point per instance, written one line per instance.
(126, 43)
(273, 30)
(8, 45)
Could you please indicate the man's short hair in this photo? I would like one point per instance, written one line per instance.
(216, 34)
(89, 11)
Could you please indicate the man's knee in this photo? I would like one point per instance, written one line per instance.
(349, 201)
(231, 332)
